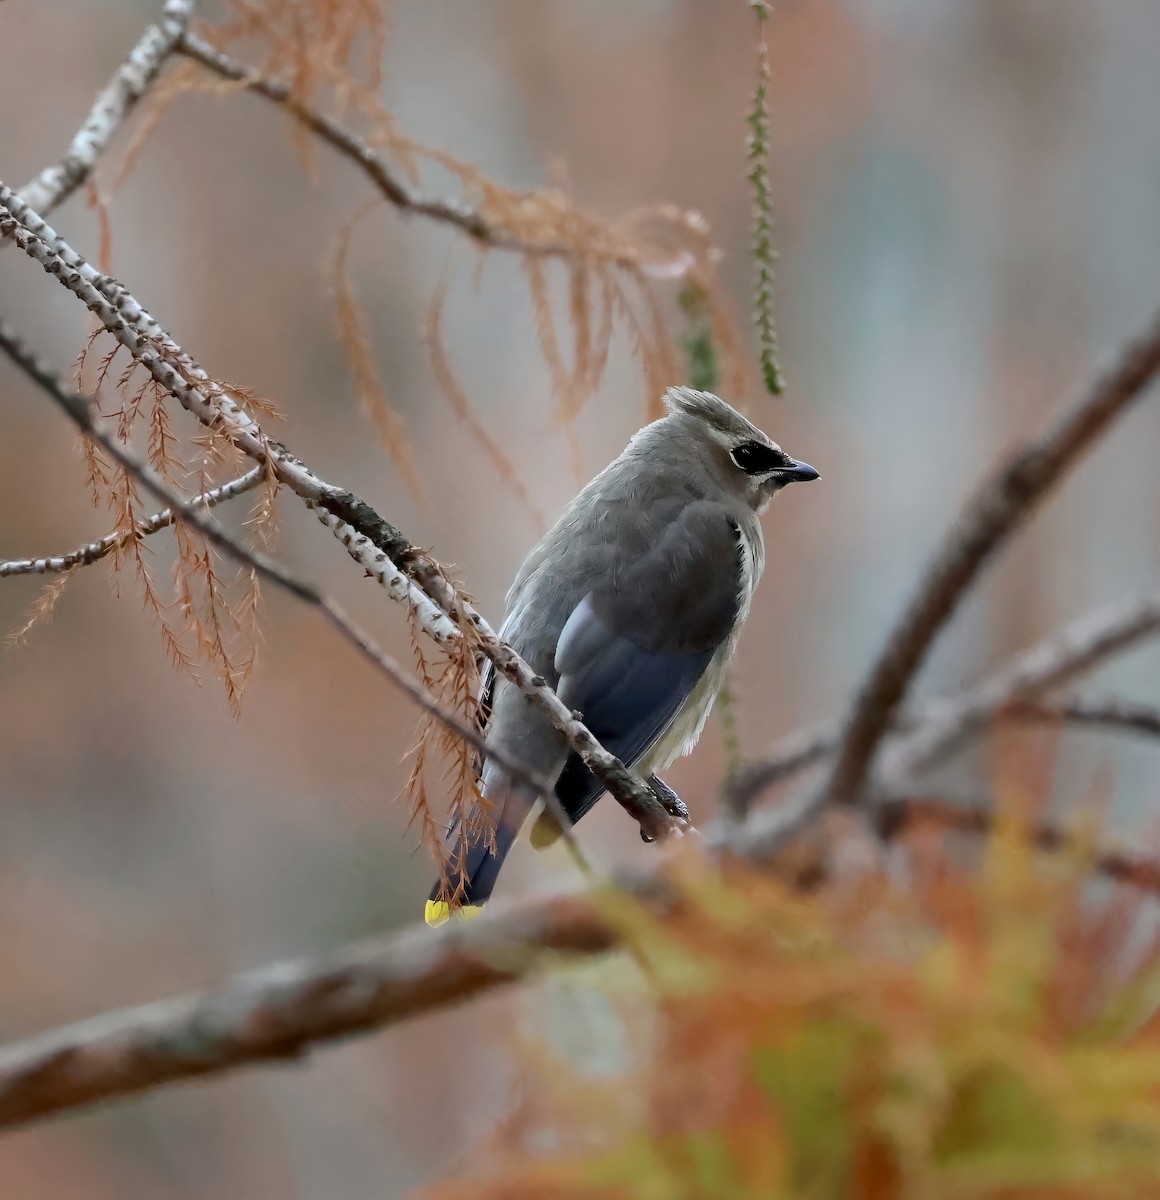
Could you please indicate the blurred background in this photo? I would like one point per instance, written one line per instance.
(967, 195)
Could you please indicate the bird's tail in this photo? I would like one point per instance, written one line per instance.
(472, 879)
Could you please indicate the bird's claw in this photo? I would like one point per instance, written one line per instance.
(672, 803)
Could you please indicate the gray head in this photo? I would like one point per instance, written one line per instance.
(747, 463)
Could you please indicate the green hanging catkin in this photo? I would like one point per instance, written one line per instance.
(763, 253)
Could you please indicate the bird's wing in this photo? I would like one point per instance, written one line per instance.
(625, 693)
(635, 646)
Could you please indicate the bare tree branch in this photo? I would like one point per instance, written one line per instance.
(360, 152)
(53, 186)
(1005, 500)
(896, 812)
(791, 754)
(281, 1012)
(81, 411)
(1118, 715)
(1079, 647)
(438, 606)
(84, 556)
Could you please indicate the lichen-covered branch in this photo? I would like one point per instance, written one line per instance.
(53, 186)
(415, 579)
(1004, 501)
(84, 556)
(82, 413)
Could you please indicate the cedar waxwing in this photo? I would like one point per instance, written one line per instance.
(630, 608)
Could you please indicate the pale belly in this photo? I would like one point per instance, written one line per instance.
(685, 731)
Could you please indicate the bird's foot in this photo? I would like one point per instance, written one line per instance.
(672, 803)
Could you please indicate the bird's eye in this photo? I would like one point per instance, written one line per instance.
(756, 458)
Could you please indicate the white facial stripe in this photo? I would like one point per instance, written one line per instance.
(730, 441)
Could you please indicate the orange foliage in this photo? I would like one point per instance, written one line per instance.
(453, 677)
(461, 405)
(361, 357)
(974, 1035)
(328, 54)
(212, 614)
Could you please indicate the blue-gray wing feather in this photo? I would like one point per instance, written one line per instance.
(627, 695)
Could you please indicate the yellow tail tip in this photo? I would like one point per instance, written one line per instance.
(545, 832)
(438, 911)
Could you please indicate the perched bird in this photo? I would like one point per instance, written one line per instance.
(630, 608)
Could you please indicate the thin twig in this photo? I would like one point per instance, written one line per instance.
(53, 186)
(360, 152)
(1006, 499)
(441, 611)
(790, 755)
(84, 556)
(896, 812)
(81, 411)
(1079, 647)
(1120, 716)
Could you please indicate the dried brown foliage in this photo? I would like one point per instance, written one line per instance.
(328, 54)
(611, 270)
(40, 611)
(589, 278)
(209, 615)
(983, 1031)
(361, 356)
(442, 758)
(461, 406)
(328, 51)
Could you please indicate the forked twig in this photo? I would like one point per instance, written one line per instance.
(80, 410)
(84, 556)
(1078, 647)
(1004, 501)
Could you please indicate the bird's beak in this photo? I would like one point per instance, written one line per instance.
(798, 472)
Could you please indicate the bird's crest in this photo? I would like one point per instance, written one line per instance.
(710, 409)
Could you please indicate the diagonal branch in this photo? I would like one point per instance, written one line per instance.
(55, 184)
(84, 556)
(1117, 715)
(1078, 647)
(80, 410)
(1003, 503)
(897, 811)
(417, 581)
(470, 221)
(281, 1012)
